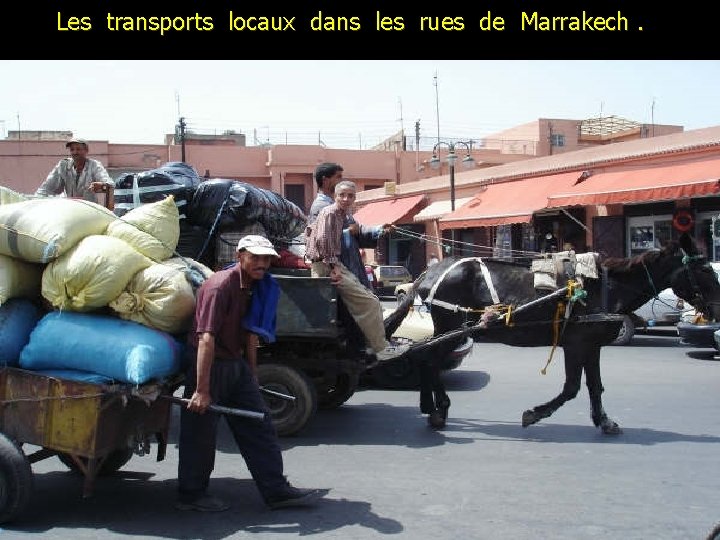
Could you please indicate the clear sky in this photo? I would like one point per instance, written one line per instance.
(350, 104)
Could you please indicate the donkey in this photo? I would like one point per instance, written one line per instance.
(458, 290)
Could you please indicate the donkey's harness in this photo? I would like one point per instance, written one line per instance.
(432, 301)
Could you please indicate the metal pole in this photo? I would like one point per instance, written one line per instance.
(182, 138)
(254, 415)
(452, 202)
(437, 106)
(452, 187)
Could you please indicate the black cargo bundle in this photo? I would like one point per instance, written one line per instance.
(226, 205)
(195, 243)
(174, 178)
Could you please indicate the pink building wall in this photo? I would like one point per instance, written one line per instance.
(24, 164)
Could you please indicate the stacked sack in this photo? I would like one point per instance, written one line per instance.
(98, 269)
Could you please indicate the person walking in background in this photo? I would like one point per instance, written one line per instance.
(78, 176)
(222, 370)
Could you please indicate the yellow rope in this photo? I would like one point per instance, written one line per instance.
(508, 316)
(559, 312)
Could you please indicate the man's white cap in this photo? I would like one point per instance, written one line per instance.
(257, 245)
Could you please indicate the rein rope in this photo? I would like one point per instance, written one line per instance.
(448, 244)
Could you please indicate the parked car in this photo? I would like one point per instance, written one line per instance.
(698, 334)
(695, 331)
(389, 277)
(665, 310)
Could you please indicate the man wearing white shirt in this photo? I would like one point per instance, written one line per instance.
(77, 176)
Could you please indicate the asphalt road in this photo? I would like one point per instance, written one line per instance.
(483, 477)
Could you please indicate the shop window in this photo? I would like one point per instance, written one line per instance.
(648, 232)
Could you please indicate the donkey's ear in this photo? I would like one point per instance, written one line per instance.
(687, 244)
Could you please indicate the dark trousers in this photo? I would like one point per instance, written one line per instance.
(231, 385)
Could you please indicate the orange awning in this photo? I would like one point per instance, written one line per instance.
(388, 211)
(508, 202)
(647, 184)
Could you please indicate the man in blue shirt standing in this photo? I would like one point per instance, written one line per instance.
(327, 175)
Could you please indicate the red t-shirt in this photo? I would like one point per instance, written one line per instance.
(221, 304)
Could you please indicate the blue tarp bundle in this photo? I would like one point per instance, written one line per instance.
(122, 350)
(18, 317)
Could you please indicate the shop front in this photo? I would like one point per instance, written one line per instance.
(658, 203)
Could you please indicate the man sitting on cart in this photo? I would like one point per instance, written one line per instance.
(324, 248)
(222, 371)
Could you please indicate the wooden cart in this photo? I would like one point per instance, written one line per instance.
(93, 428)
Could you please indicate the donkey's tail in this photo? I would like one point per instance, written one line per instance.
(393, 321)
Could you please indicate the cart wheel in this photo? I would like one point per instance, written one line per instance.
(112, 463)
(288, 417)
(345, 386)
(400, 373)
(15, 480)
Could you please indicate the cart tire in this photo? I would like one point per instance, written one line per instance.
(112, 463)
(398, 374)
(16, 480)
(345, 386)
(288, 417)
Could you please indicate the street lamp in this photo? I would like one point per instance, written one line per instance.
(468, 162)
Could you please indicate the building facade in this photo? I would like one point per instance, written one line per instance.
(618, 199)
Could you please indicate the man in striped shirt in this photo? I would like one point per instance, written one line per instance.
(324, 246)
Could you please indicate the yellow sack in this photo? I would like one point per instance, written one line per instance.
(161, 296)
(153, 229)
(40, 230)
(18, 279)
(92, 274)
(8, 196)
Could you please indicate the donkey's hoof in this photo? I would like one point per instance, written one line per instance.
(610, 427)
(530, 417)
(436, 419)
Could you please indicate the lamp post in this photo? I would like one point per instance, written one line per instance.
(468, 162)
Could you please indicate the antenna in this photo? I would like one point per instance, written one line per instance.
(177, 101)
(402, 127)
(652, 116)
(437, 104)
(417, 145)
